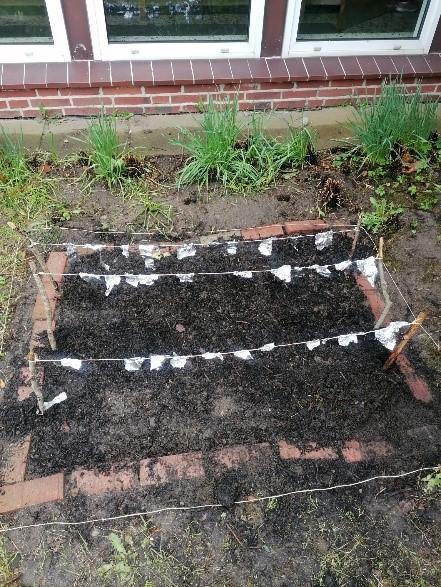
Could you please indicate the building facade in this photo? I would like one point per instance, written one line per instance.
(80, 57)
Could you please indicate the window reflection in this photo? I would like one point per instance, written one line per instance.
(177, 20)
(361, 19)
(24, 22)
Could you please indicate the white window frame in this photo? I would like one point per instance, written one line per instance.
(294, 48)
(56, 51)
(104, 50)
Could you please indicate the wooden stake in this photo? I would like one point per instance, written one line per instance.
(406, 338)
(387, 302)
(46, 304)
(355, 241)
(34, 382)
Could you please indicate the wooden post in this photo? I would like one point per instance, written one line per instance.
(46, 304)
(34, 382)
(387, 302)
(355, 240)
(406, 338)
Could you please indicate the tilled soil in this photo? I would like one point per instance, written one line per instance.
(328, 395)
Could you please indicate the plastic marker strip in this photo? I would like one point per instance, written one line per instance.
(367, 267)
(386, 336)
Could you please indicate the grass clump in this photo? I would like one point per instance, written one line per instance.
(107, 155)
(382, 215)
(239, 156)
(393, 123)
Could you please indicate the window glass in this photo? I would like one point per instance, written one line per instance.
(136, 21)
(361, 19)
(24, 22)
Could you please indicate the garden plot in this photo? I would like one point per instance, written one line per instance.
(210, 356)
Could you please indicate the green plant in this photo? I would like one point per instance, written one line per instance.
(382, 214)
(394, 121)
(241, 157)
(428, 201)
(155, 215)
(106, 155)
(7, 575)
(433, 481)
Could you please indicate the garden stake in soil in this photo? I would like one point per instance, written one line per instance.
(34, 382)
(47, 308)
(383, 284)
(406, 338)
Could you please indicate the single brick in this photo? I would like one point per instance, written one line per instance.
(351, 451)
(304, 226)
(311, 452)
(234, 456)
(15, 458)
(95, 483)
(355, 452)
(419, 388)
(56, 264)
(23, 392)
(288, 451)
(38, 328)
(39, 312)
(24, 375)
(167, 469)
(262, 232)
(373, 298)
(29, 493)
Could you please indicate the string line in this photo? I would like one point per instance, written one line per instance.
(218, 505)
(224, 353)
(195, 244)
(296, 268)
(67, 228)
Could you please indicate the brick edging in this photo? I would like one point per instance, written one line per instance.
(157, 471)
(81, 74)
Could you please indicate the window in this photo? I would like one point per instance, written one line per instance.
(130, 29)
(341, 27)
(32, 30)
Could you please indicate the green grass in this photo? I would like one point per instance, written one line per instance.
(106, 154)
(239, 156)
(26, 196)
(381, 216)
(395, 121)
(154, 215)
(7, 574)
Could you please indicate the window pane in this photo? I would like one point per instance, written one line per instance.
(361, 19)
(24, 22)
(137, 21)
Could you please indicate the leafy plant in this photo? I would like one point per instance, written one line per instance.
(433, 481)
(382, 214)
(242, 158)
(394, 121)
(106, 153)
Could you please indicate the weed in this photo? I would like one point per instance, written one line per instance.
(106, 156)
(272, 504)
(382, 215)
(428, 201)
(7, 574)
(154, 215)
(217, 152)
(433, 481)
(394, 122)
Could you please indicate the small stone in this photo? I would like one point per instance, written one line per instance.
(180, 328)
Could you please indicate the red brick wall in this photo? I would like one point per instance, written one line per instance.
(88, 87)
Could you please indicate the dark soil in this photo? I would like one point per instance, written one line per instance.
(328, 396)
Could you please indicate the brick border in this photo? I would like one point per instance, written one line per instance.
(86, 88)
(18, 493)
